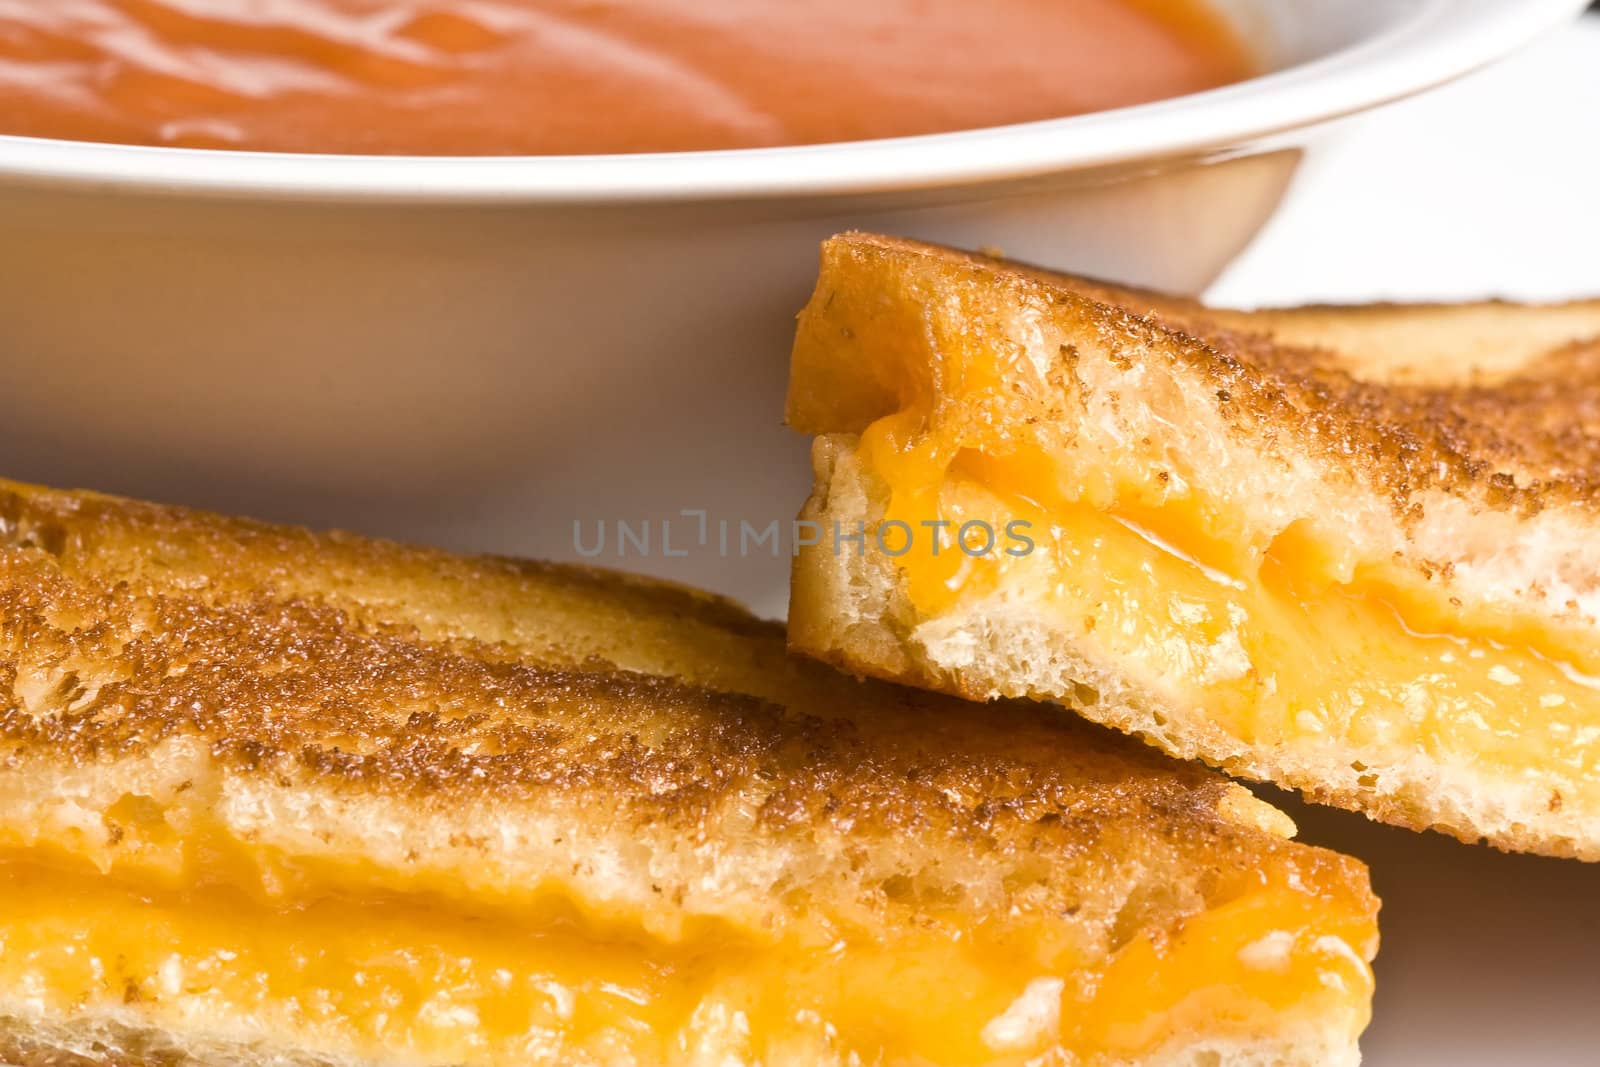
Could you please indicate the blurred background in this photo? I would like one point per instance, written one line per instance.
(1483, 188)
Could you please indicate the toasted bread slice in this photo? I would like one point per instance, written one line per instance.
(1352, 551)
(269, 797)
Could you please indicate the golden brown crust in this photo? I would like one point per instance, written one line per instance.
(322, 717)
(1316, 448)
(1526, 439)
(262, 677)
(127, 624)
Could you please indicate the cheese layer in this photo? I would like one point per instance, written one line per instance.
(411, 979)
(1286, 642)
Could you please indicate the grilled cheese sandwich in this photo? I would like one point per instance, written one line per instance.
(1349, 551)
(271, 797)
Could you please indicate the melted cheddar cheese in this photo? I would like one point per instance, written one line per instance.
(1276, 642)
(410, 979)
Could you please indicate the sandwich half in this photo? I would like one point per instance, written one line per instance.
(1352, 551)
(276, 798)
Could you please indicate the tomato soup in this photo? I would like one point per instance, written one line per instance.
(542, 77)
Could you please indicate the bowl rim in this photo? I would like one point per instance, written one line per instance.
(1439, 41)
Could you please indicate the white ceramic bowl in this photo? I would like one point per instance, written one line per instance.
(483, 351)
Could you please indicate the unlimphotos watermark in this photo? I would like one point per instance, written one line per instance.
(695, 531)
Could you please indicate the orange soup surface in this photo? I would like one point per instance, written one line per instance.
(542, 77)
